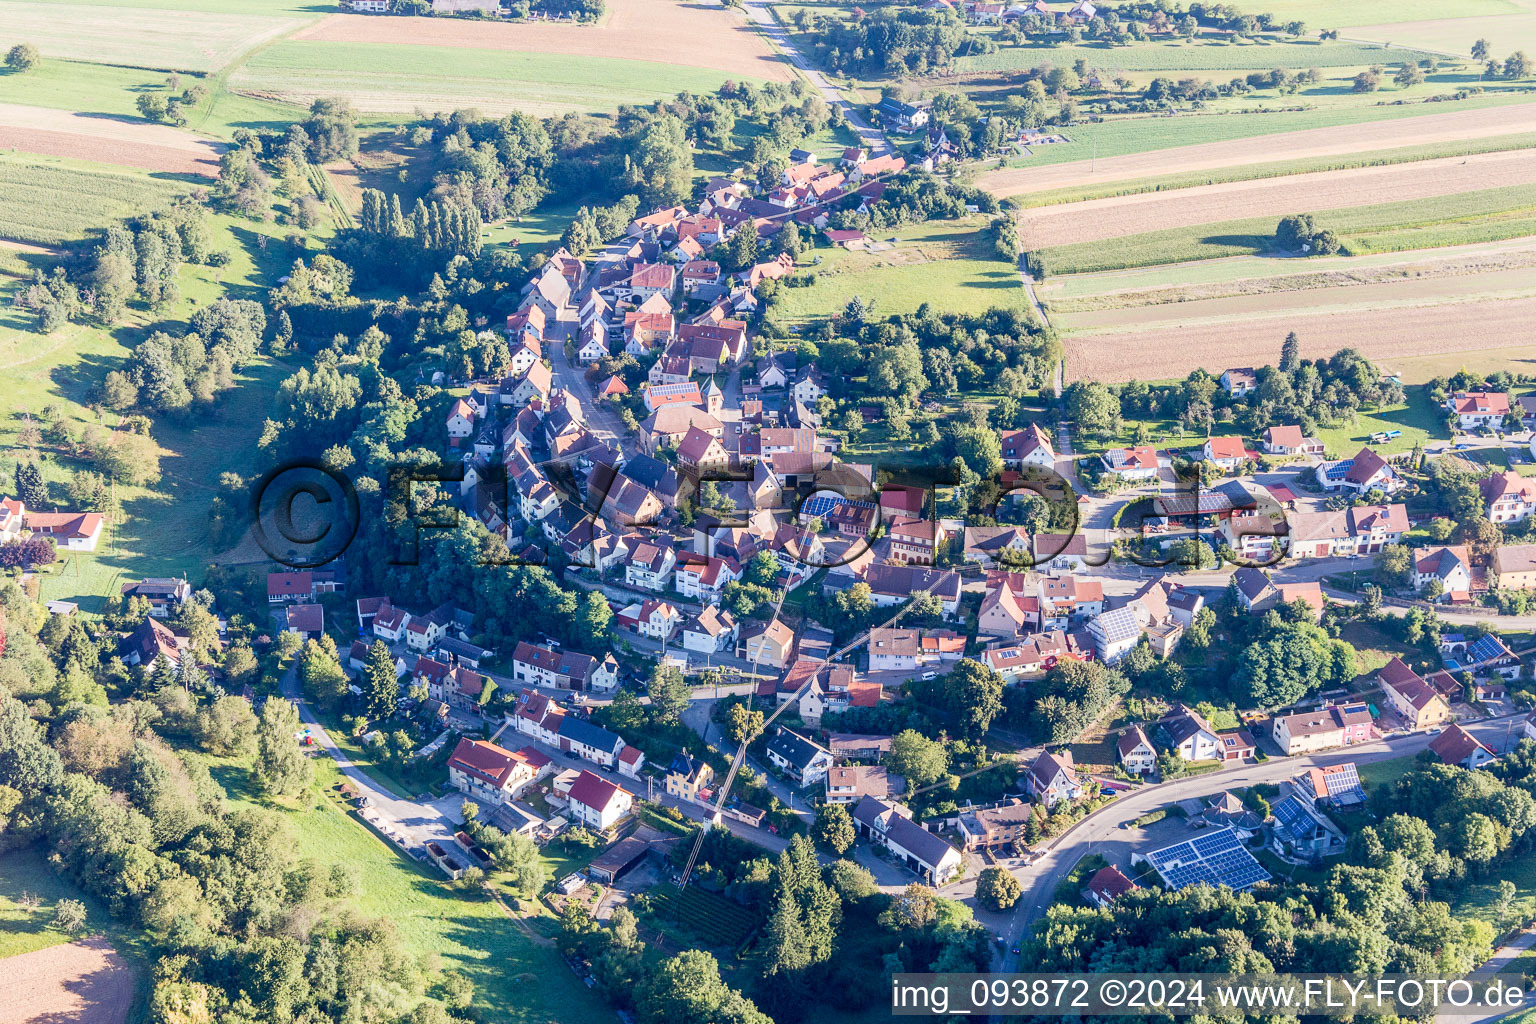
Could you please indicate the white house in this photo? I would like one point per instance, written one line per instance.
(1137, 755)
(1053, 779)
(803, 762)
(596, 802)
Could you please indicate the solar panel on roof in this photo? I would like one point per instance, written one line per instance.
(1215, 858)
(821, 505)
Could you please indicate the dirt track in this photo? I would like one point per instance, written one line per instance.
(1099, 219)
(1382, 334)
(652, 30)
(85, 982)
(1314, 142)
(107, 140)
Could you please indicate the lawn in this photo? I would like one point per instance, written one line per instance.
(163, 530)
(387, 78)
(1484, 215)
(946, 264)
(1374, 647)
(48, 200)
(1419, 420)
(1202, 55)
(1330, 14)
(516, 978)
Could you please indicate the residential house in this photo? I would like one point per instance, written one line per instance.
(1367, 471)
(307, 620)
(1137, 754)
(1337, 785)
(286, 587)
(165, 595)
(802, 761)
(423, 632)
(1227, 452)
(1337, 725)
(1028, 447)
(390, 623)
(1457, 746)
(1513, 567)
(711, 631)
(1255, 592)
(596, 802)
(1114, 633)
(1510, 497)
(990, 545)
(1479, 410)
(1297, 830)
(704, 577)
(888, 826)
(1060, 552)
(152, 640)
(589, 742)
(1107, 885)
(1189, 735)
(767, 643)
(1052, 778)
(1450, 565)
(892, 584)
(461, 421)
(651, 562)
(491, 773)
(658, 620)
(538, 665)
(1406, 693)
(1131, 465)
(1036, 655)
(903, 117)
(915, 541)
(1239, 380)
(533, 384)
(70, 531)
(1289, 440)
(848, 784)
(687, 777)
(894, 650)
(991, 828)
(701, 453)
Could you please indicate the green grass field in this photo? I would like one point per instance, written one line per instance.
(1327, 14)
(49, 200)
(398, 79)
(947, 264)
(1198, 56)
(516, 978)
(703, 915)
(138, 36)
(1127, 135)
(1483, 216)
(163, 531)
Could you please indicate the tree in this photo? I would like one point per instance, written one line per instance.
(380, 685)
(596, 618)
(1481, 49)
(688, 989)
(669, 692)
(1409, 74)
(1093, 408)
(1294, 231)
(281, 767)
(22, 57)
(974, 693)
(833, 829)
(69, 916)
(743, 723)
(152, 106)
(30, 490)
(997, 888)
(1394, 566)
(1290, 353)
(518, 856)
(916, 758)
(1517, 65)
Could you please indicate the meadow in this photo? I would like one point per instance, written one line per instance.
(1481, 216)
(946, 264)
(137, 36)
(388, 78)
(1201, 55)
(47, 201)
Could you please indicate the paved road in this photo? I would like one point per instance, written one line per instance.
(1100, 832)
(1493, 965)
(410, 823)
(870, 136)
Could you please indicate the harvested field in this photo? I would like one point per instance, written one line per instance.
(663, 31)
(1508, 283)
(1121, 290)
(150, 147)
(1313, 142)
(163, 39)
(85, 982)
(1152, 211)
(1453, 332)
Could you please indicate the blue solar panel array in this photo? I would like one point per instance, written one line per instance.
(1336, 470)
(1292, 822)
(821, 505)
(1216, 858)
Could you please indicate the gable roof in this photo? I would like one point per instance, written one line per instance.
(1455, 745)
(594, 791)
(795, 749)
(1407, 683)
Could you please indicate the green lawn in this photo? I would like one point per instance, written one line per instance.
(389, 78)
(946, 264)
(1419, 420)
(1201, 55)
(1481, 216)
(516, 979)
(1328, 14)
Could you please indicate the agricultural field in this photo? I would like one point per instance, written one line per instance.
(398, 79)
(1201, 55)
(1485, 215)
(46, 201)
(948, 264)
(659, 31)
(716, 920)
(1147, 147)
(1099, 219)
(86, 980)
(138, 36)
(164, 150)
(1448, 336)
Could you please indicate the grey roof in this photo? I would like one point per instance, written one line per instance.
(579, 730)
(903, 831)
(795, 749)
